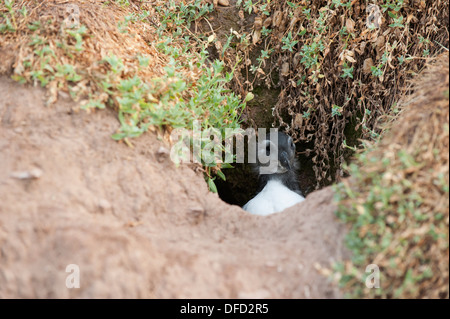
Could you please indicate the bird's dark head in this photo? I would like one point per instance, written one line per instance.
(276, 154)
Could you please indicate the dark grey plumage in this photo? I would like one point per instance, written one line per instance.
(277, 170)
(289, 177)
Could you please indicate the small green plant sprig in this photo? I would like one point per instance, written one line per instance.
(288, 42)
(393, 7)
(10, 24)
(378, 70)
(179, 17)
(11, 17)
(338, 3)
(426, 43)
(310, 53)
(397, 20)
(347, 71)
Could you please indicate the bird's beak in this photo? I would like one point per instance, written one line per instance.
(284, 160)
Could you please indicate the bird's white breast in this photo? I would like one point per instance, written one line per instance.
(275, 197)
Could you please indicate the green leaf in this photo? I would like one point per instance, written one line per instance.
(249, 97)
(227, 165)
(212, 186)
(392, 14)
(221, 175)
(118, 136)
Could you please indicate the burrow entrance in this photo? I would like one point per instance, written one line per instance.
(241, 183)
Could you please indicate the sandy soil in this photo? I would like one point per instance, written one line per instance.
(137, 226)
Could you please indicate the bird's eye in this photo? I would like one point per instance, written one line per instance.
(292, 144)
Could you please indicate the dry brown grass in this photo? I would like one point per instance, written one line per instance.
(313, 91)
(101, 39)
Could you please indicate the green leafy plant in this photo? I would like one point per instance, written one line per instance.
(10, 24)
(265, 31)
(347, 71)
(68, 72)
(394, 5)
(77, 34)
(288, 42)
(336, 110)
(397, 20)
(310, 53)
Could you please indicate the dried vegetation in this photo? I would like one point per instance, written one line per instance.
(397, 198)
(341, 66)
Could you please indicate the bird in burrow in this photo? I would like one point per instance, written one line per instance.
(278, 181)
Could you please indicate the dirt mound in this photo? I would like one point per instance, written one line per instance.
(397, 201)
(134, 224)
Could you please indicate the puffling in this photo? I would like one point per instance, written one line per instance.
(278, 183)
